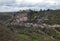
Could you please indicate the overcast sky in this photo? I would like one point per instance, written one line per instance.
(15, 5)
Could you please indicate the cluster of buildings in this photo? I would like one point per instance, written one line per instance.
(22, 20)
(21, 17)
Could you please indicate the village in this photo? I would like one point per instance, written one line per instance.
(23, 20)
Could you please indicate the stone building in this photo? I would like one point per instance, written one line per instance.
(23, 17)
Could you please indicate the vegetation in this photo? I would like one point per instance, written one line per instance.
(9, 32)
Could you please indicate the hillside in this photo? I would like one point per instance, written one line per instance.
(29, 25)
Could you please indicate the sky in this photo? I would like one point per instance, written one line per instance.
(16, 5)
